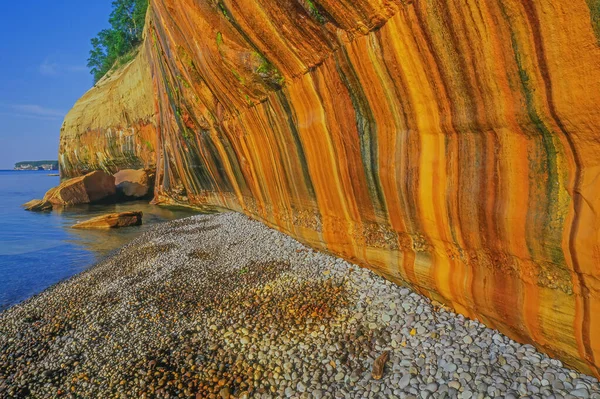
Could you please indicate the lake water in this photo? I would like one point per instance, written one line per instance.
(38, 250)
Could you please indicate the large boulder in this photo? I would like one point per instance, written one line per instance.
(134, 183)
(93, 187)
(111, 221)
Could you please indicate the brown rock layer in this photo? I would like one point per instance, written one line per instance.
(37, 205)
(111, 221)
(450, 145)
(93, 187)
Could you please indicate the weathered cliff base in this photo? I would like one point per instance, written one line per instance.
(450, 145)
(222, 307)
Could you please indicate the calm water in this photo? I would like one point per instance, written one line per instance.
(38, 250)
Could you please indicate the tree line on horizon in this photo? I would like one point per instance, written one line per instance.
(117, 45)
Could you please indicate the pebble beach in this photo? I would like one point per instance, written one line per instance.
(221, 306)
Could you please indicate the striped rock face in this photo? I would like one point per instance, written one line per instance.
(452, 145)
(112, 126)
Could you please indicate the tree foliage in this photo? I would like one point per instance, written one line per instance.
(111, 46)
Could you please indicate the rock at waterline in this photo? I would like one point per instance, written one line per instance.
(111, 221)
(93, 187)
(134, 183)
(37, 205)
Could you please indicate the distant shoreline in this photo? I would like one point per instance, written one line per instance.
(28, 170)
(37, 165)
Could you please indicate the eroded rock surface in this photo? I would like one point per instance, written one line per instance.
(112, 126)
(112, 221)
(451, 145)
(134, 183)
(37, 205)
(93, 187)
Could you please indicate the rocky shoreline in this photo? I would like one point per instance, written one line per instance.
(221, 306)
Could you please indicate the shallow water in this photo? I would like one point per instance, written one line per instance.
(38, 250)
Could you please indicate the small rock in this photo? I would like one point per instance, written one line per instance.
(580, 393)
(379, 365)
(225, 393)
(433, 387)
(404, 381)
(300, 387)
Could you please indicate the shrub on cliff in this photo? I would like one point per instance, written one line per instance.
(115, 46)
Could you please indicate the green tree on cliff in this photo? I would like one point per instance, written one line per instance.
(115, 45)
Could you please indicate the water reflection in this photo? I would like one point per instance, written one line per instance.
(103, 242)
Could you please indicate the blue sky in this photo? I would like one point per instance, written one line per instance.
(44, 48)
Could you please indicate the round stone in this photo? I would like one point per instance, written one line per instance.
(301, 387)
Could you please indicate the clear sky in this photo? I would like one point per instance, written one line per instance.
(44, 48)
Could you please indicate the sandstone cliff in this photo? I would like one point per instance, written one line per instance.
(447, 144)
(112, 126)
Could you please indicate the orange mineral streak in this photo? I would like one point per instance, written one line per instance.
(449, 145)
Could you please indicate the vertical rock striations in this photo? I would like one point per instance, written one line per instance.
(112, 126)
(450, 145)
